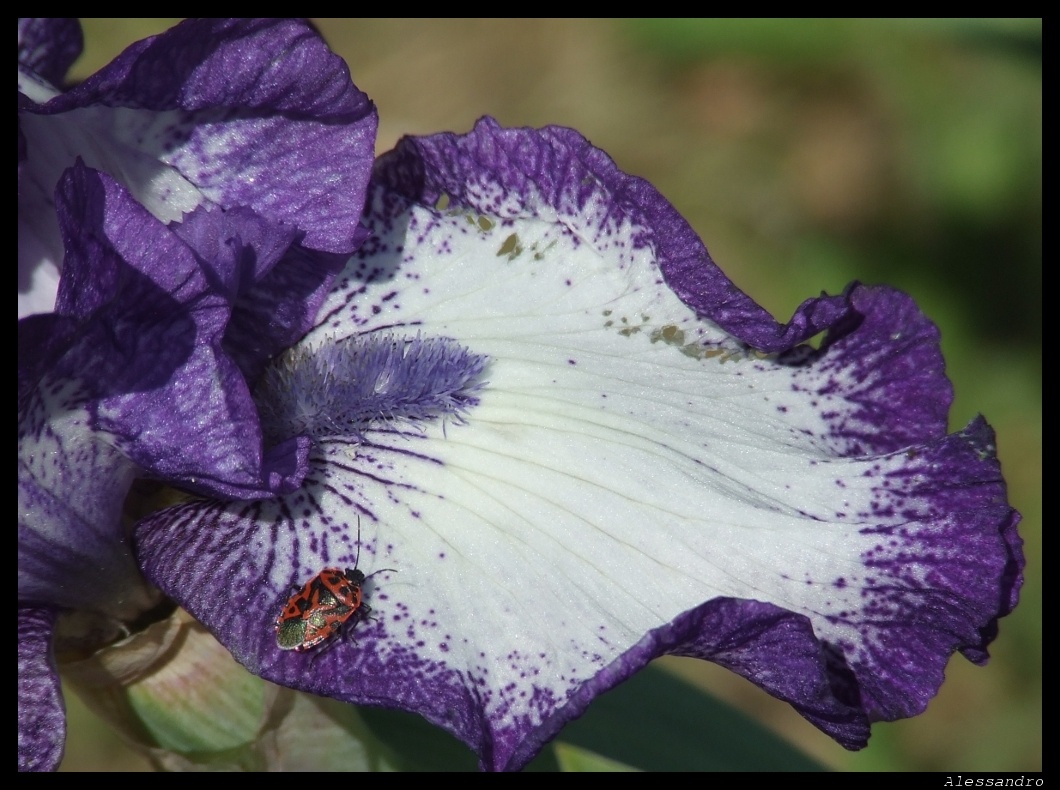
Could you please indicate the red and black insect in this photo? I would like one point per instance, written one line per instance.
(329, 602)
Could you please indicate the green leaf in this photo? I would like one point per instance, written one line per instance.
(657, 722)
(419, 746)
(573, 759)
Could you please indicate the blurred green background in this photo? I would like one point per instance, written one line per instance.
(807, 153)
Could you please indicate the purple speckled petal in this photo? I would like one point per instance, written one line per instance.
(41, 713)
(170, 399)
(280, 309)
(256, 113)
(71, 488)
(126, 379)
(49, 47)
(628, 476)
(274, 286)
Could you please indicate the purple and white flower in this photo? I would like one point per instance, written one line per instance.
(534, 396)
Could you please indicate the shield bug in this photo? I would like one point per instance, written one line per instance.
(329, 602)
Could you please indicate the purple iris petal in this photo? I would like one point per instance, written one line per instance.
(41, 714)
(280, 308)
(49, 47)
(127, 378)
(275, 287)
(248, 113)
(169, 397)
(262, 108)
(649, 464)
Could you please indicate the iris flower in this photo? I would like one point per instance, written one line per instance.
(558, 442)
(561, 443)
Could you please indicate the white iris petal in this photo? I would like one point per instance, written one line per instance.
(627, 460)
